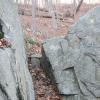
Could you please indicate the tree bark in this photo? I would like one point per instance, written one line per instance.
(79, 5)
(33, 15)
(52, 12)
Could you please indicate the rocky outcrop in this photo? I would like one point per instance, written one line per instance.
(15, 79)
(74, 61)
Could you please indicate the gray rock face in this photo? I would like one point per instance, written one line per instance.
(15, 79)
(74, 61)
(7, 77)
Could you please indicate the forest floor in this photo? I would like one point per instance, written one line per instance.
(44, 30)
(43, 87)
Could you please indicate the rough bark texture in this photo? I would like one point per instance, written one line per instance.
(15, 79)
(74, 61)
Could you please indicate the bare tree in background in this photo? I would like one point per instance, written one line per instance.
(79, 5)
(74, 8)
(53, 14)
(25, 3)
(46, 4)
(28, 2)
(33, 15)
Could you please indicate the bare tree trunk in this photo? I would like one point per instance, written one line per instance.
(28, 3)
(46, 4)
(79, 5)
(53, 14)
(33, 15)
(25, 1)
(74, 8)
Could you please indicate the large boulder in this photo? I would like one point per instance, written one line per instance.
(74, 61)
(15, 79)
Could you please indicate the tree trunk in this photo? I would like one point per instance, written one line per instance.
(52, 12)
(15, 79)
(33, 15)
(79, 5)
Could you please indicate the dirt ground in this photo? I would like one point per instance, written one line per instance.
(44, 89)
